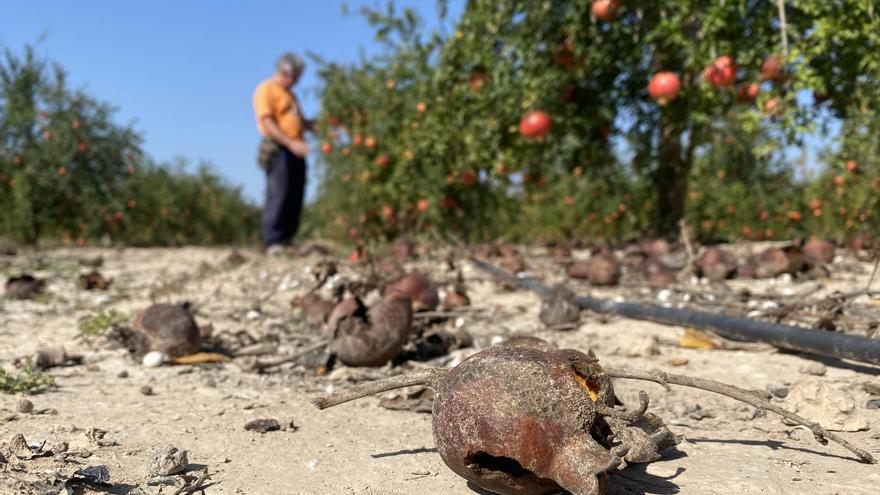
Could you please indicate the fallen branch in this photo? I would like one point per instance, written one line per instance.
(261, 366)
(754, 398)
(428, 377)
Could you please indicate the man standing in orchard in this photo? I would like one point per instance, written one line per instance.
(282, 152)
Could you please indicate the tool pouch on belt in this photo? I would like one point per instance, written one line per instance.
(268, 148)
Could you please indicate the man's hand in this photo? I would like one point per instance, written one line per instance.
(298, 147)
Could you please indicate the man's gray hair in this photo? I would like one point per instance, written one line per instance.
(290, 63)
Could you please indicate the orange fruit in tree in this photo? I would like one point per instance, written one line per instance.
(62, 171)
(381, 161)
(421, 107)
(795, 216)
(772, 69)
(346, 151)
(370, 142)
(722, 72)
(568, 200)
(422, 205)
(852, 165)
(815, 203)
(748, 92)
(468, 178)
(605, 10)
(74, 124)
(326, 147)
(838, 180)
(478, 80)
(132, 203)
(772, 106)
(535, 124)
(664, 87)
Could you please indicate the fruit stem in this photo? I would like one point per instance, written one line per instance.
(752, 397)
(428, 377)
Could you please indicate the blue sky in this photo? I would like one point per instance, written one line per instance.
(184, 71)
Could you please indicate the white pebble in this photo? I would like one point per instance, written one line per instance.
(769, 305)
(618, 299)
(785, 277)
(686, 297)
(497, 340)
(664, 295)
(459, 322)
(788, 291)
(154, 359)
(253, 315)
(754, 314)
(313, 464)
(329, 389)
(263, 275)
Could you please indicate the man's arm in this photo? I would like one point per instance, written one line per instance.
(296, 146)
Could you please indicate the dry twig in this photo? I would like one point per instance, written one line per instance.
(752, 397)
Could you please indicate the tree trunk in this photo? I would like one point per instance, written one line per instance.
(671, 179)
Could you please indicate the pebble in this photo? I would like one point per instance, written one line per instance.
(263, 425)
(25, 406)
(122, 374)
(778, 391)
(872, 404)
(147, 390)
(167, 460)
(814, 368)
(154, 359)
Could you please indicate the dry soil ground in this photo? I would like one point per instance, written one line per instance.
(360, 447)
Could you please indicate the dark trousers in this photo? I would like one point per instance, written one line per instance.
(285, 189)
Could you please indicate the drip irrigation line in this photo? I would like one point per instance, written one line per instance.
(801, 339)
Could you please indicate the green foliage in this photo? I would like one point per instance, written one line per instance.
(69, 172)
(444, 107)
(98, 323)
(29, 381)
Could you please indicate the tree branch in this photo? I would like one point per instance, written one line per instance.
(428, 377)
(752, 397)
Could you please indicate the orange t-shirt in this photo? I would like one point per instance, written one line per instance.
(278, 102)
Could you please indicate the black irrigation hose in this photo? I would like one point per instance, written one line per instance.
(809, 340)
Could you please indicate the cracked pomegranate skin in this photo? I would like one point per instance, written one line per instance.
(516, 421)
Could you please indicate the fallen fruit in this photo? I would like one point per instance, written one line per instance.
(94, 281)
(24, 287)
(818, 251)
(416, 288)
(362, 337)
(315, 308)
(167, 328)
(716, 264)
(657, 273)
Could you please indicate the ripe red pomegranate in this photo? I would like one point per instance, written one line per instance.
(535, 124)
(326, 147)
(818, 251)
(478, 80)
(773, 106)
(422, 205)
(421, 107)
(773, 68)
(748, 92)
(370, 142)
(468, 178)
(664, 87)
(852, 165)
(722, 72)
(381, 161)
(605, 10)
(357, 140)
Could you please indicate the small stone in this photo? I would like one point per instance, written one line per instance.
(814, 368)
(818, 401)
(154, 359)
(167, 460)
(872, 404)
(678, 362)
(122, 374)
(262, 425)
(25, 406)
(778, 391)
(147, 390)
(697, 413)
